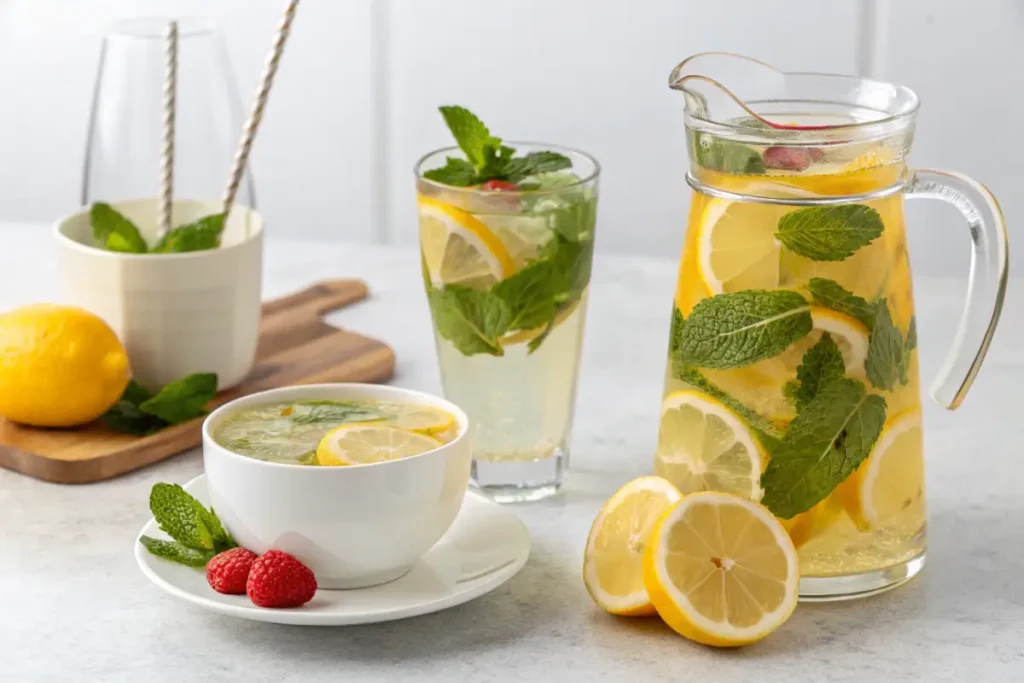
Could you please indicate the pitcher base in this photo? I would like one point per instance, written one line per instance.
(861, 585)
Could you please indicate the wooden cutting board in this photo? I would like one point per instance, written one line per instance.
(296, 347)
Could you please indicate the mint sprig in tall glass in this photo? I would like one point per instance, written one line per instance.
(507, 243)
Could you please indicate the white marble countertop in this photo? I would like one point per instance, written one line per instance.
(73, 605)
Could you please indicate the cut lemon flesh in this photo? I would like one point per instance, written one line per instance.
(424, 419)
(721, 570)
(365, 443)
(459, 249)
(890, 483)
(810, 524)
(613, 559)
(705, 446)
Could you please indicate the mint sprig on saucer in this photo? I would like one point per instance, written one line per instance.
(486, 158)
(197, 532)
(113, 231)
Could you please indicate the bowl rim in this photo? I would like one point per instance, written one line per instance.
(281, 393)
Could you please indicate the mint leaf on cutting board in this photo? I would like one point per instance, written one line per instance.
(112, 231)
(125, 416)
(182, 400)
(831, 294)
(199, 235)
(176, 552)
(732, 330)
(821, 364)
(823, 446)
(829, 233)
(470, 319)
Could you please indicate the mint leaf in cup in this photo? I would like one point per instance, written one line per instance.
(112, 231)
(199, 235)
(455, 172)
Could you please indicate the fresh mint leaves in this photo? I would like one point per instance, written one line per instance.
(113, 231)
(200, 235)
(732, 330)
(470, 133)
(759, 422)
(824, 444)
(822, 364)
(470, 319)
(197, 532)
(885, 364)
(486, 158)
(141, 413)
(831, 294)
(726, 156)
(829, 233)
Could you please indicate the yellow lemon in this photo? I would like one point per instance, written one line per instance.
(613, 559)
(721, 570)
(427, 420)
(362, 443)
(705, 446)
(459, 249)
(60, 366)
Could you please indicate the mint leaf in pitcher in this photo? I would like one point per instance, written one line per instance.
(822, 363)
(831, 294)
(113, 231)
(824, 444)
(885, 364)
(829, 233)
(732, 330)
(199, 235)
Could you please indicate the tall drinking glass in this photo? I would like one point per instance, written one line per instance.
(507, 274)
(125, 131)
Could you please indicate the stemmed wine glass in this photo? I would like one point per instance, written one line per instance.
(123, 153)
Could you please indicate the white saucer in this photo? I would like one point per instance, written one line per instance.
(483, 549)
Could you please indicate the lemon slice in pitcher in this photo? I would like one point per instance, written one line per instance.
(460, 249)
(613, 559)
(890, 482)
(705, 446)
(363, 443)
(721, 570)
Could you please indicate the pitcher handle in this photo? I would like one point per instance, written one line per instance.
(986, 287)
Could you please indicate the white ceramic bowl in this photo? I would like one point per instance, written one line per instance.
(353, 526)
(175, 313)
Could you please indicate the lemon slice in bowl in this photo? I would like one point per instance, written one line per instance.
(613, 559)
(705, 446)
(890, 483)
(426, 420)
(459, 249)
(363, 443)
(721, 570)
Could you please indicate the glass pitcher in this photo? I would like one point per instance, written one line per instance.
(793, 367)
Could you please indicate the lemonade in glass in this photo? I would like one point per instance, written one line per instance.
(507, 239)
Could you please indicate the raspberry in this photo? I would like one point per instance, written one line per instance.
(277, 579)
(499, 186)
(228, 571)
(788, 158)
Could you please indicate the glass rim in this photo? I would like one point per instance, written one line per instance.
(418, 170)
(155, 28)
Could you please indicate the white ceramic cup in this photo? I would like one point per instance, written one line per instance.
(176, 314)
(354, 526)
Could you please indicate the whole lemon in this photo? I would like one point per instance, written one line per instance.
(60, 366)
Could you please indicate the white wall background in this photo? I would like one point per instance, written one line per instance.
(355, 100)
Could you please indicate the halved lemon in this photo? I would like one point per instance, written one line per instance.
(424, 419)
(362, 443)
(613, 559)
(721, 570)
(459, 249)
(890, 483)
(705, 446)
